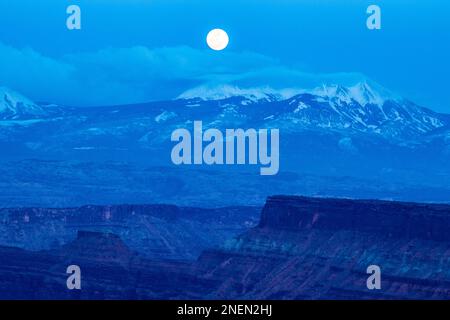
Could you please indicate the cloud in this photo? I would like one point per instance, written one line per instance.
(138, 74)
(142, 74)
(32, 73)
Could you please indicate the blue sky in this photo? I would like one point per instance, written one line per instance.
(138, 50)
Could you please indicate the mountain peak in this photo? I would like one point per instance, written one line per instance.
(362, 92)
(13, 105)
(228, 91)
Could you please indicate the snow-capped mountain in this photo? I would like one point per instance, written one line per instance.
(358, 131)
(361, 92)
(363, 107)
(348, 114)
(15, 106)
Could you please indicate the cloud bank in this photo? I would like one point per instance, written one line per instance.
(138, 74)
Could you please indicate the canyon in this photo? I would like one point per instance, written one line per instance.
(302, 248)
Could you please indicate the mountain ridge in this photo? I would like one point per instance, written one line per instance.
(327, 134)
(362, 92)
(359, 107)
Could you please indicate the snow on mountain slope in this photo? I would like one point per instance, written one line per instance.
(362, 110)
(362, 93)
(15, 106)
(222, 92)
(392, 118)
(363, 107)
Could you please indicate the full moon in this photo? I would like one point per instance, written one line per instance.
(217, 39)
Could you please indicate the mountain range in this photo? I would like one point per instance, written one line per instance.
(360, 107)
(363, 132)
(73, 182)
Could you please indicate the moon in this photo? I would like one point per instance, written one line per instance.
(217, 39)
